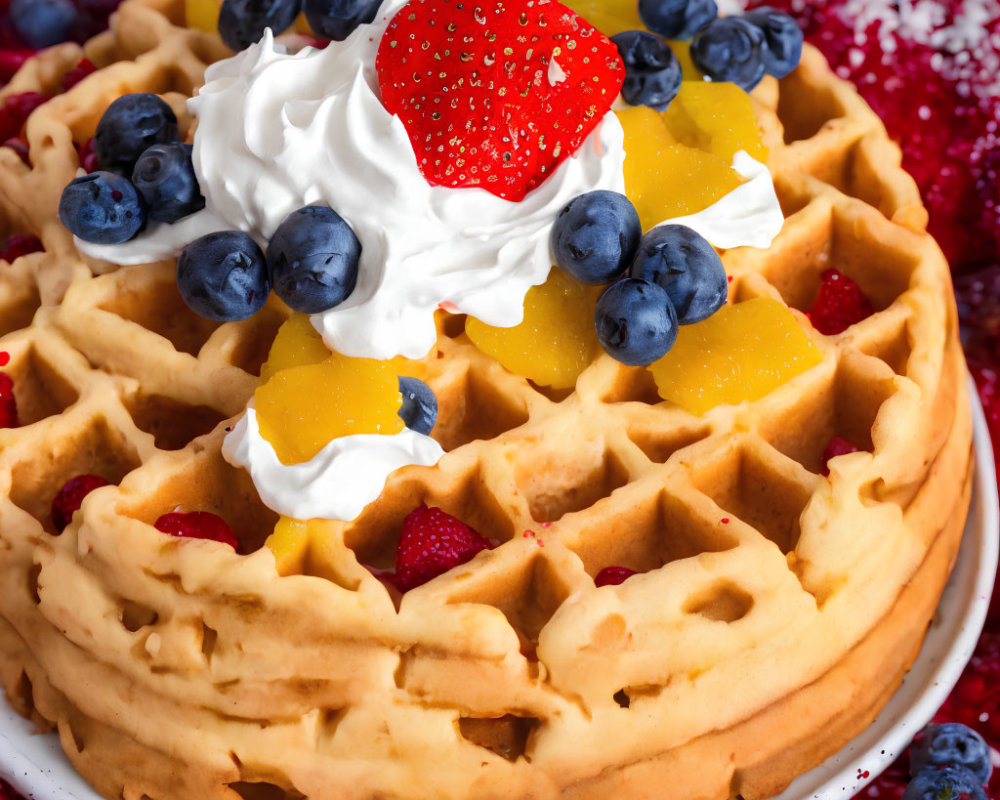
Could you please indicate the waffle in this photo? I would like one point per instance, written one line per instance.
(776, 612)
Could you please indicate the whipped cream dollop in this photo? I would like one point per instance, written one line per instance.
(338, 482)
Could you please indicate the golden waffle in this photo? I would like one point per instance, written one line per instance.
(777, 608)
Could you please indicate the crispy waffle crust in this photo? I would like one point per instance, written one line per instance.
(777, 608)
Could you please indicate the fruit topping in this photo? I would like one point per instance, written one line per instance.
(8, 403)
(164, 176)
(312, 259)
(301, 409)
(741, 353)
(730, 49)
(683, 263)
(944, 783)
(223, 276)
(132, 123)
(665, 179)
(15, 110)
(42, 23)
(431, 543)
(11, 61)
(636, 322)
(87, 157)
(419, 409)
(20, 146)
(197, 525)
(677, 19)
(20, 245)
(555, 341)
(83, 68)
(102, 207)
(839, 446)
(613, 576)
(495, 94)
(839, 304)
(595, 236)
(242, 22)
(782, 40)
(202, 15)
(715, 117)
(297, 344)
(337, 19)
(608, 16)
(652, 71)
(951, 744)
(70, 497)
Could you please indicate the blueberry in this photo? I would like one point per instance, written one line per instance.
(337, 19)
(164, 176)
(103, 208)
(595, 236)
(686, 266)
(782, 40)
(944, 783)
(223, 276)
(652, 71)
(951, 744)
(420, 407)
(242, 22)
(730, 49)
(677, 19)
(42, 23)
(313, 259)
(636, 322)
(131, 124)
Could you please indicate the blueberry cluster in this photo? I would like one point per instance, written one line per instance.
(948, 760)
(668, 277)
(243, 22)
(743, 49)
(311, 262)
(144, 173)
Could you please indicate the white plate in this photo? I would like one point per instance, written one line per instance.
(35, 764)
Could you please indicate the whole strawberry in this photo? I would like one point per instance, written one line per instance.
(431, 543)
(495, 94)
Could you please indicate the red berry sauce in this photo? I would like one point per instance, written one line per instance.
(613, 576)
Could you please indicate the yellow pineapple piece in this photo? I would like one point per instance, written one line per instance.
(555, 341)
(682, 50)
(609, 16)
(290, 545)
(741, 353)
(665, 179)
(202, 15)
(297, 344)
(717, 118)
(301, 409)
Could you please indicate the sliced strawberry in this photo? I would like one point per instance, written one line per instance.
(431, 543)
(495, 94)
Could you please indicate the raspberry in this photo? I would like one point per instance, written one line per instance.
(496, 94)
(613, 576)
(8, 403)
(431, 543)
(83, 68)
(197, 525)
(839, 446)
(20, 245)
(15, 112)
(839, 304)
(70, 498)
